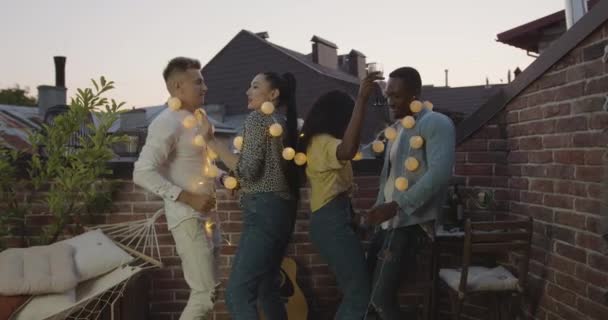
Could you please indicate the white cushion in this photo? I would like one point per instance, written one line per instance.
(96, 254)
(47, 306)
(58, 306)
(481, 279)
(37, 270)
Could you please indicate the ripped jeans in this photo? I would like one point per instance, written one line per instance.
(198, 266)
(392, 253)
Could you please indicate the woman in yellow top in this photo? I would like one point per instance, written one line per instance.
(330, 136)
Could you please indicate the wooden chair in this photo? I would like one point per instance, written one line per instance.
(500, 237)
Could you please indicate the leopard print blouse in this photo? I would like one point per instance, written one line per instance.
(261, 167)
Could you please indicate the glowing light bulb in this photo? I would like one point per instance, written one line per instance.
(230, 183)
(428, 105)
(276, 130)
(174, 103)
(401, 184)
(416, 106)
(411, 164)
(199, 140)
(378, 146)
(189, 122)
(408, 122)
(390, 133)
(238, 142)
(289, 153)
(267, 108)
(416, 142)
(300, 158)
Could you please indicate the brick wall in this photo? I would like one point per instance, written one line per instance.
(543, 157)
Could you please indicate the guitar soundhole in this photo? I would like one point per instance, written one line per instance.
(286, 287)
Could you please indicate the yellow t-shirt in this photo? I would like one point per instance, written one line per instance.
(327, 175)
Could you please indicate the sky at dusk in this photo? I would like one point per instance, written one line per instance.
(130, 42)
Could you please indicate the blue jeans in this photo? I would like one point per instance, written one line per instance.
(268, 222)
(332, 234)
(392, 253)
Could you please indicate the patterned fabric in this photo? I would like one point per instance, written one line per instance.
(261, 167)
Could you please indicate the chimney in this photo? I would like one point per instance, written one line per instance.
(50, 96)
(356, 64)
(324, 52)
(446, 78)
(264, 35)
(575, 9)
(59, 71)
(516, 72)
(509, 76)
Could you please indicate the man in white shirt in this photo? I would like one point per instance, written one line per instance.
(171, 166)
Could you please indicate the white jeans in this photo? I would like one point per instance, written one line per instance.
(198, 266)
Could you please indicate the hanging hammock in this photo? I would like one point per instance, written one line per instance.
(139, 239)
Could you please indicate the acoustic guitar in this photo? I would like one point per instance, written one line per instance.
(291, 294)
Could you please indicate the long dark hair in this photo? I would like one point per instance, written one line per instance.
(330, 114)
(286, 84)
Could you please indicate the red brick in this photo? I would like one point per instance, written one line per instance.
(560, 294)
(461, 157)
(532, 143)
(541, 185)
(541, 157)
(552, 80)
(595, 157)
(540, 213)
(590, 139)
(571, 252)
(596, 294)
(596, 86)
(539, 171)
(571, 91)
(570, 219)
(474, 170)
(560, 172)
(556, 110)
(147, 207)
(531, 197)
(559, 233)
(228, 206)
(513, 117)
(568, 312)
(599, 121)
(517, 157)
(560, 264)
(578, 123)
(592, 309)
(501, 171)
(590, 241)
(557, 201)
(129, 197)
(595, 190)
(569, 156)
(557, 141)
(530, 114)
(571, 283)
(585, 205)
(592, 104)
(570, 187)
(542, 97)
(589, 275)
(598, 261)
(593, 224)
(487, 157)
